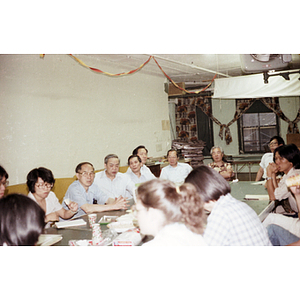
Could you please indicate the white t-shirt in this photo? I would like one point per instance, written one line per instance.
(176, 234)
(52, 203)
(146, 175)
(121, 185)
(177, 174)
(265, 160)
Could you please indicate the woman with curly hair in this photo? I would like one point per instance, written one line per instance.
(172, 215)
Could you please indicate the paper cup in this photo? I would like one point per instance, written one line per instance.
(97, 234)
(92, 219)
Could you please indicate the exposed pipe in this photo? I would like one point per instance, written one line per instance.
(191, 66)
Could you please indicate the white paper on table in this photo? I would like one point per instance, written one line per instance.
(48, 239)
(256, 197)
(259, 182)
(63, 224)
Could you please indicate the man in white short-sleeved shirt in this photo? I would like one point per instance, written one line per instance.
(142, 152)
(111, 181)
(175, 171)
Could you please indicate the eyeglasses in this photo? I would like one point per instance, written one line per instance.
(5, 183)
(44, 186)
(87, 174)
(273, 144)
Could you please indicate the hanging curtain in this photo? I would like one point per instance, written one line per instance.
(273, 104)
(242, 106)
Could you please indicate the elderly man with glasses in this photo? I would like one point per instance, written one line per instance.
(90, 198)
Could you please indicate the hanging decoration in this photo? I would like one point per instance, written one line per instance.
(109, 74)
(140, 67)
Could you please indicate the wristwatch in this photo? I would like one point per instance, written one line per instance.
(268, 178)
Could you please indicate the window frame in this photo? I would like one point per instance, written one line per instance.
(255, 110)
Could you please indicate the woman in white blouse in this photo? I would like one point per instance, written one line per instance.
(40, 182)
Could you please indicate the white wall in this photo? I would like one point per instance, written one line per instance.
(56, 113)
(224, 111)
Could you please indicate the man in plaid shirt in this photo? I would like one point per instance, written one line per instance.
(231, 222)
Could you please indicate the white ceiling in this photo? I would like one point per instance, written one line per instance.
(189, 68)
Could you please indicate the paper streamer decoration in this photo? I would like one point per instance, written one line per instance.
(137, 69)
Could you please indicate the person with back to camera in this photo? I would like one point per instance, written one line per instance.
(173, 215)
(175, 171)
(286, 160)
(267, 158)
(40, 182)
(231, 222)
(89, 197)
(219, 164)
(142, 152)
(137, 174)
(21, 221)
(3, 181)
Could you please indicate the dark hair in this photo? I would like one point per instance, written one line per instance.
(135, 151)
(209, 183)
(177, 203)
(171, 150)
(3, 173)
(278, 138)
(132, 156)
(289, 152)
(78, 168)
(34, 175)
(22, 220)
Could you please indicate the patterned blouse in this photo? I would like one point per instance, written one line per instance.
(224, 167)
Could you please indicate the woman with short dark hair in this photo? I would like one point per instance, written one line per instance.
(231, 222)
(40, 182)
(21, 221)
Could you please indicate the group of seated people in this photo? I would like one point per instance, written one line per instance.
(170, 208)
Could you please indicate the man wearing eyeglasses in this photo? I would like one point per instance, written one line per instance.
(3, 181)
(90, 198)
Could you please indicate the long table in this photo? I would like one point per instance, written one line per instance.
(238, 191)
(83, 232)
(244, 161)
(242, 188)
